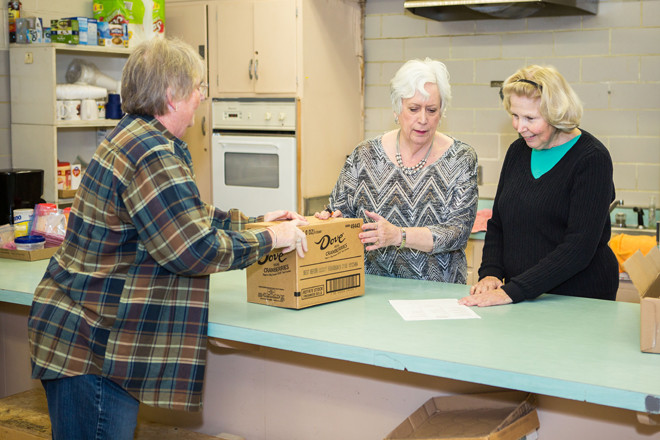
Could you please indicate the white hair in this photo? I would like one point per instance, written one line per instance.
(412, 77)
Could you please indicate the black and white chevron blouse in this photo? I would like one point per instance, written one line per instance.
(442, 197)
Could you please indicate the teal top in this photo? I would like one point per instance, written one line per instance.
(544, 160)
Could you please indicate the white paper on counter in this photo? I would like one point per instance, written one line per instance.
(428, 309)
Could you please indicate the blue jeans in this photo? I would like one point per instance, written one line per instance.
(90, 407)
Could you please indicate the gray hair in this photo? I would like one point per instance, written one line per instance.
(412, 77)
(156, 67)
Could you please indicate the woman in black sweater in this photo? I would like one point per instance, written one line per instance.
(550, 227)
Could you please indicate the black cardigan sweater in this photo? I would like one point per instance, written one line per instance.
(551, 234)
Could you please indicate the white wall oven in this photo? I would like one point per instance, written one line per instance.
(254, 154)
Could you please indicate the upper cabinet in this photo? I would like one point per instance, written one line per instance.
(254, 47)
(308, 49)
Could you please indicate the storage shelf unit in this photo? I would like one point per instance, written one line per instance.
(38, 138)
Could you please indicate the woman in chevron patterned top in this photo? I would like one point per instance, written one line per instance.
(415, 187)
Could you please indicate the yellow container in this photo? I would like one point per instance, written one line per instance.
(22, 219)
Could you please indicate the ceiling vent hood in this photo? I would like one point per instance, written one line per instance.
(444, 10)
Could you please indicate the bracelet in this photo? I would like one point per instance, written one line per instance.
(403, 238)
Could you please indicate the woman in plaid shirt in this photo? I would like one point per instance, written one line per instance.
(121, 314)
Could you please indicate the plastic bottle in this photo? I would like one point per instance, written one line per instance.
(652, 213)
(14, 10)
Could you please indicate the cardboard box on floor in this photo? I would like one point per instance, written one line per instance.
(332, 269)
(508, 415)
(644, 272)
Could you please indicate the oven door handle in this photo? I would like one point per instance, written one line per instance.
(252, 147)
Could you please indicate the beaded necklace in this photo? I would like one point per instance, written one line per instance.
(419, 166)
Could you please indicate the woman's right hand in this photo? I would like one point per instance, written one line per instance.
(287, 235)
(486, 284)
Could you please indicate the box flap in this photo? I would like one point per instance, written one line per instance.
(644, 272)
(486, 416)
(518, 428)
(310, 219)
(649, 339)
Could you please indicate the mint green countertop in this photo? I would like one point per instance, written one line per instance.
(573, 348)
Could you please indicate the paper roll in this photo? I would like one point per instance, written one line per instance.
(80, 91)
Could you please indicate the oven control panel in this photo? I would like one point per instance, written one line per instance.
(270, 114)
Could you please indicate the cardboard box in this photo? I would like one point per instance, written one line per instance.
(644, 272)
(87, 30)
(112, 34)
(39, 254)
(333, 267)
(64, 31)
(508, 415)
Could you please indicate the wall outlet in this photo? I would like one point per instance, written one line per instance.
(28, 58)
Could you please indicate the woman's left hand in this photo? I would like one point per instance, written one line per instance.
(283, 215)
(380, 233)
(487, 298)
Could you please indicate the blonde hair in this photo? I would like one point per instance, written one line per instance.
(412, 77)
(560, 106)
(153, 69)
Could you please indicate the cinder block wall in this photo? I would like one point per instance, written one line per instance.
(611, 59)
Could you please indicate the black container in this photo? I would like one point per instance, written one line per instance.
(19, 189)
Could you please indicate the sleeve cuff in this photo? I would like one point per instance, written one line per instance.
(514, 291)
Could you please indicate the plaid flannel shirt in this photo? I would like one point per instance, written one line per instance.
(126, 296)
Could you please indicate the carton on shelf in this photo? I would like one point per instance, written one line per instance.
(332, 269)
(508, 415)
(644, 272)
(112, 34)
(87, 30)
(64, 31)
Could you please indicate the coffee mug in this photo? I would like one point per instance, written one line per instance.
(76, 175)
(61, 109)
(100, 105)
(71, 110)
(113, 107)
(89, 109)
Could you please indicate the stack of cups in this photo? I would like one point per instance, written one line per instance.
(113, 107)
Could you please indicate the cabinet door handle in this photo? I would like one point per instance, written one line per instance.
(250, 68)
(204, 126)
(256, 69)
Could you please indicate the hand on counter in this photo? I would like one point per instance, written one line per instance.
(487, 292)
(485, 284)
(495, 297)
